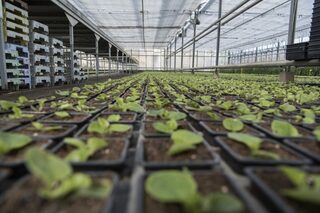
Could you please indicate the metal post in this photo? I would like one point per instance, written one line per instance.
(175, 54)
(87, 59)
(170, 57)
(167, 59)
(122, 62)
(117, 61)
(278, 51)
(164, 59)
(182, 46)
(72, 22)
(110, 57)
(194, 41)
(97, 55)
(218, 37)
(292, 21)
(3, 72)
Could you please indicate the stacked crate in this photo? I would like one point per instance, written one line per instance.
(16, 27)
(39, 54)
(57, 61)
(78, 74)
(314, 43)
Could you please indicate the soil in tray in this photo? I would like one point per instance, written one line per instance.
(24, 197)
(75, 118)
(18, 155)
(277, 182)
(29, 130)
(213, 182)
(5, 118)
(265, 146)
(112, 152)
(155, 150)
(219, 129)
(148, 128)
(301, 130)
(6, 125)
(311, 146)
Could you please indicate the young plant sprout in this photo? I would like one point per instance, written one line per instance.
(233, 125)
(84, 150)
(284, 129)
(43, 128)
(103, 127)
(18, 114)
(179, 187)
(62, 114)
(167, 115)
(59, 181)
(184, 140)
(12, 141)
(167, 127)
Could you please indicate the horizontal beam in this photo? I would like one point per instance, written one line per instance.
(139, 27)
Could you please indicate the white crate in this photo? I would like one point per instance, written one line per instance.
(25, 61)
(13, 62)
(15, 35)
(58, 69)
(16, 18)
(56, 42)
(15, 72)
(41, 69)
(16, 10)
(18, 48)
(12, 53)
(34, 36)
(38, 47)
(59, 78)
(57, 51)
(37, 25)
(41, 58)
(15, 27)
(42, 79)
(58, 60)
(25, 81)
(15, 81)
(25, 72)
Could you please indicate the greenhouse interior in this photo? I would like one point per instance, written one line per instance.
(160, 106)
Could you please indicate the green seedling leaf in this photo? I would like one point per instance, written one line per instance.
(134, 107)
(63, 93)
(214, 116)
(171, 186)
(303, 195)
(296, 176)
(222, 203)
(119, 128)
(309, 116)
(12, 141)
(42, 128)
(233, 125)
(47, 167)
(114, 118)
(251, 117)
(17, 114)
(184, 140)
(100, 191)
(284, 129)
(316, 133)
(7, 105)
(62, 114)
(167, 127)
(23, 100)
(177, 116)
(287, 107)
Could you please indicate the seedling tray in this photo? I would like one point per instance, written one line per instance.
(126, 117)
(147, 129)
(82, 118)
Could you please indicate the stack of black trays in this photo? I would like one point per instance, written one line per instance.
(314, 44)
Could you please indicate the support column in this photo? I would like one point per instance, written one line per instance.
(164, 59)
(97, 55)
(3, 72)
(87, 59)
(194, 40)
(182, 47)
(286, 76)
(117, 61)
(110, 57)
(218, 38)
(122, 62)
(170, 53)
(175, 54)
(72, 23)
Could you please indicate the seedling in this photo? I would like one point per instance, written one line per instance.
(59, 180)
(103, 127)
(167, 115)
(180, 187)
(184, 140)
(167, 127)
(63, 93)
(226, 105)
(83, 151)
(233, 125)
(254, 145)
(43, 128)
(62, 114)
(214, 116)
(114, 118)
(284, 129)
(126, 106)
(252, 117)
(306, 186)
(7, 105)
(12, 141)
(17, 114)
(287, 108)
(316, 133)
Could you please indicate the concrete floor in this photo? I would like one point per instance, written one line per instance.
(49, 91)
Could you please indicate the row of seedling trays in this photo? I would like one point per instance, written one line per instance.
(160, 130)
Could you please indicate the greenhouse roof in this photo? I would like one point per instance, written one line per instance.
(152, 24)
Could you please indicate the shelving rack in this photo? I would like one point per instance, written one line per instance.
(57, 62)
(79, 74)
(16, 34)
(39, 53)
